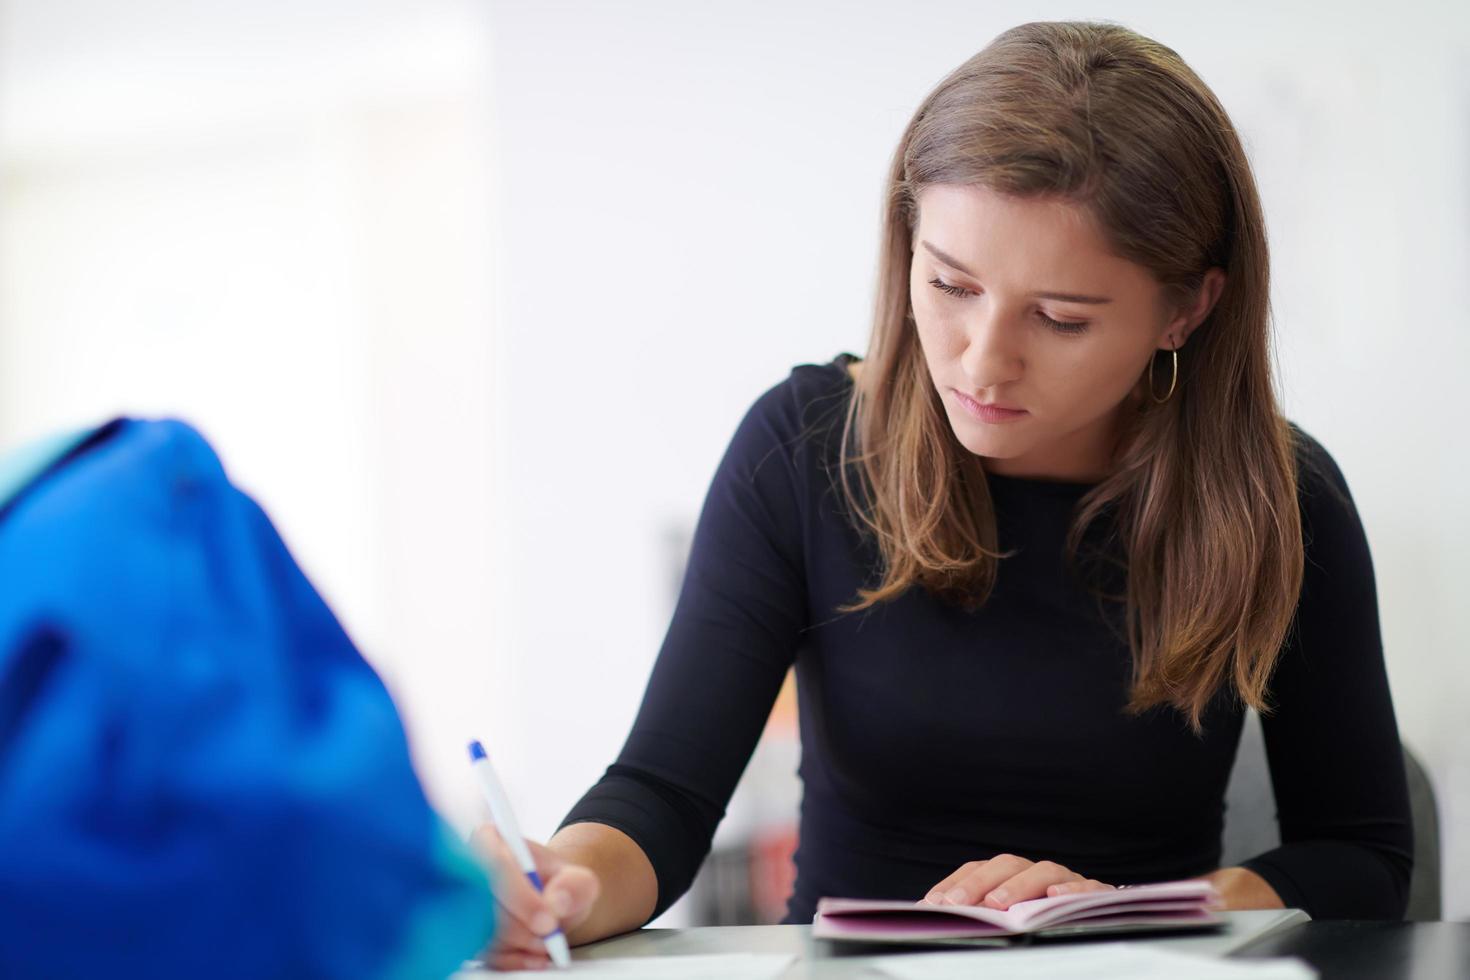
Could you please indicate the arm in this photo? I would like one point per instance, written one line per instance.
(648, 822)
(1332, 738)
(1242, 888)
(628, 884)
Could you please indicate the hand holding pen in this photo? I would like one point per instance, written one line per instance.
(540, 893)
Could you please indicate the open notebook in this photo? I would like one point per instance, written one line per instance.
(1133, 908)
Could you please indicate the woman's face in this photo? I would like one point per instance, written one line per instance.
(1020, 305)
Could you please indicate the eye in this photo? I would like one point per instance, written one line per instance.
(1067, 327)
(938, 283)
(1063, 326)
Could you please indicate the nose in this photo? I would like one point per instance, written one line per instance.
(992, 354)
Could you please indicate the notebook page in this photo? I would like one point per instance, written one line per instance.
(1059, 908)
(1038, 912)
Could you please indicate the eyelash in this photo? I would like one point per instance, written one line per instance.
(1058, 325)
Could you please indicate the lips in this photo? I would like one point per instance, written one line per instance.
(1000, 405)
(988, 414)
(977, 403)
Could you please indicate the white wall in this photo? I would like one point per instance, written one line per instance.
(274, 219)
(472, 296)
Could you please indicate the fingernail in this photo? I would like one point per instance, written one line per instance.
(543, 924)
(934, 898)
(999, 896)
(956, 895)
(561, 903)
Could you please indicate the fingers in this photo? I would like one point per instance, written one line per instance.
(566, 899)
(516, 961)
(516, 895)
(513, 941)
(1007, 879)
(525, 914)
(517, 947)
(938, 895)
(548, 862)
(1073, 887)
(570, 894)
(1030, 883)
(975, 880)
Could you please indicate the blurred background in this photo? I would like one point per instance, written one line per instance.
(471, 296)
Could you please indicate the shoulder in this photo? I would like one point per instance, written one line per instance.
(1320, 481)
(792, 432)
(1332, 531)
(811, 400)
(809, 386)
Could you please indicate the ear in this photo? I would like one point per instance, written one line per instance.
(1177, 331)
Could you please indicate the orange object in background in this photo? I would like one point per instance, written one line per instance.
(782, 722)
(772, 875)
(748, 876)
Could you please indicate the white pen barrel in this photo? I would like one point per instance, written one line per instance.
(502, 814)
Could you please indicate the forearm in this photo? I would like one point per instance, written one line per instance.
(628, 886)
(1242, 888)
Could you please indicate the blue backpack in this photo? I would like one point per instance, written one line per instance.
(199, 774)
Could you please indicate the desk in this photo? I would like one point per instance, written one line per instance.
(1373, 950)
(826, 960)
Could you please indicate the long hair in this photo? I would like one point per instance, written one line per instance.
(1200, 507)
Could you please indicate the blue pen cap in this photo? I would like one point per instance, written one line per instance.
(477, 751)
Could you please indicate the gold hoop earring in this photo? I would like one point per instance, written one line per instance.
(1173, 379)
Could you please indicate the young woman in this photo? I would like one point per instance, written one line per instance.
(1032, 557)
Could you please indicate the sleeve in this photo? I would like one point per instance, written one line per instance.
(1332, 740)
(734, 632)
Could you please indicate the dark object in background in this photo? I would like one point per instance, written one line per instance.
(1350, 950)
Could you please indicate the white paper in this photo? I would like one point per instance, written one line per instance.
(716, 966)
(1094, 961)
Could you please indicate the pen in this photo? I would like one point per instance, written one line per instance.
(505, 822)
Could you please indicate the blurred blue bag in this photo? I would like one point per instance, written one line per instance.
(199, 775)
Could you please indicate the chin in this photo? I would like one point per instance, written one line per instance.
(996, 442)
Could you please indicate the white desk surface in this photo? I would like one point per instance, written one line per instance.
(825, 959)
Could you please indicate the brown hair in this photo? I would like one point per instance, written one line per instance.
(1200, 508)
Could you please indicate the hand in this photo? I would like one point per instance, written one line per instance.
(1006, 879)
(524, 916)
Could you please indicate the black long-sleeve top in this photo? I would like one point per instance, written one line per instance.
(932, 736)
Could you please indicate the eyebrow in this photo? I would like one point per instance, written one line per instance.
(1060, 297)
